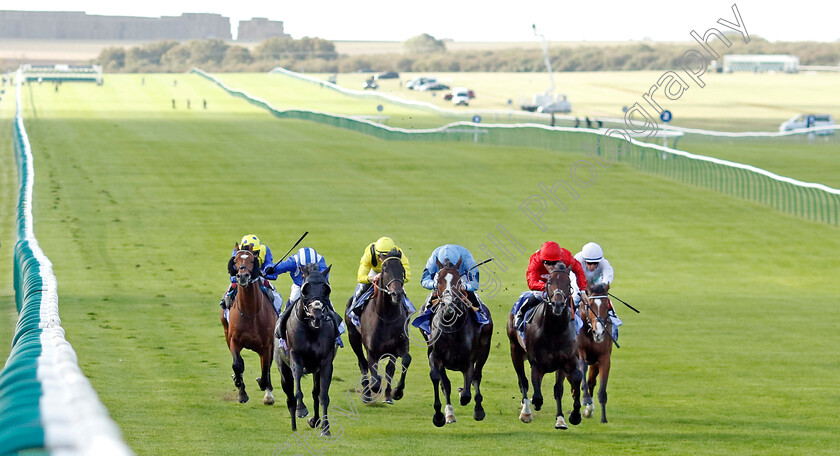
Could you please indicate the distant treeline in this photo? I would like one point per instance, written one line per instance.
(319, 56)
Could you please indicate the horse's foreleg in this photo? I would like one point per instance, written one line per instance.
(588, 407)
(517, 356)
(297, 371)
(536, 379)
(238, 368)
(405, 362)
(478, 412)
(558, 396)
(575, 377)
(265, 380)
(449, 411)
(604, 365)
(326, 379)
(287, 383)
(316, 398)
(438, 419)
(466, 392)
(375, 384)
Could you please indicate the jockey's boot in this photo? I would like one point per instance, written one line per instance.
(526, 306)
(227, 298)
(284, 317)
(359, 307)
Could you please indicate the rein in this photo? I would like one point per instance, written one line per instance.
(239, 308)
(603, 323)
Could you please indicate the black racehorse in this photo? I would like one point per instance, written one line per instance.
(550, 346)
(382, 333)
(310, 337)
(457, 342)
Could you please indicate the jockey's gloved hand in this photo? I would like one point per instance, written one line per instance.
(269, 270)
(375, 278)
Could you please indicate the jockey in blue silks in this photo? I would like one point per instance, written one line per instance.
(469, 283)
(252, 242)
(293, 266)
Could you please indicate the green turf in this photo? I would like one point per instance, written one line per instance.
(138, 205)
(8, 198)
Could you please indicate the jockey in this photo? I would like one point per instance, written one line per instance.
(469, 282)
(549, 255)
(252, 242)
(370, 266)
(292, 265)
(598, 271)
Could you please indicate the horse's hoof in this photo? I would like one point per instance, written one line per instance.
(438, 420)
(588, 410)
(560, 424)
(450, 414)
(604, 419)
(243, 398)
(526, 418)
(478, 414)
(312, 422)
(302, 412)
(398, 394)
(388, 400)
(268, 399)
(465, 399)
(537, 403)
(326, 432)
(574, 418)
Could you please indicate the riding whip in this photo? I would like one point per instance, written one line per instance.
(296, 244)
(628, 305)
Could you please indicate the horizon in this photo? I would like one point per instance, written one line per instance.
(643, 21)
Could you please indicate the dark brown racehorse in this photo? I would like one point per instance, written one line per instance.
(550, 346)
(311, 338)
(595, 347)
(251, 322)
(457, 342)
(383, 332)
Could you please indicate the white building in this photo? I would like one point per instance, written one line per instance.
(760, 63)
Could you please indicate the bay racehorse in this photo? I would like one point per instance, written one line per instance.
(382, 333)
(457, 342)
(595, 347)
(250, 322)
(310, 332)
(550, 346)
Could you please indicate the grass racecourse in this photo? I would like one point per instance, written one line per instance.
(138, 205)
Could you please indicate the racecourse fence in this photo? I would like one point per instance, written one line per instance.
(815, 202)
(47, 405)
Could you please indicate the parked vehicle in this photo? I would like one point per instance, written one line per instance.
(461, 96)
(808, 121)
(421, 81)
(370, 83)
(432, 87)
(386, 75)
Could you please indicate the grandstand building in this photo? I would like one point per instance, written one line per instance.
(259, 29)
(761, 63)
(75, 25)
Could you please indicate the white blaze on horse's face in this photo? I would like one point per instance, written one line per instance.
(447, 297)
(599, 328)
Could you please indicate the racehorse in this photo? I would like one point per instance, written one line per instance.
(310, 336)
(595, 347)
(382, 331)
(457, 342)
(550, 346)
(251, 320)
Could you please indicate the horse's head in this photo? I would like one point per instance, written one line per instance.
(558, 289)
(314, 293)
(596, 314)
(392, 277)
(245, 266)
(449, 288)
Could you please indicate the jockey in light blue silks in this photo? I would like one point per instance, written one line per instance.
(252, 242)
(469, 283)
(598, 271)
(293, 265)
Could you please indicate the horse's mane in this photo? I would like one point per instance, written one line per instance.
(309, 268)
(448, 264)
(394, 253)
(598, 289)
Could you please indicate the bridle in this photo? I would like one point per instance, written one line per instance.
(605, 324)
(449, 297)
(256, 278)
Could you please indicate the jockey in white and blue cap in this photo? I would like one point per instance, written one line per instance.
(598, 271)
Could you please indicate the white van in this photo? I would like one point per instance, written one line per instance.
(461, 96)
(808, 121)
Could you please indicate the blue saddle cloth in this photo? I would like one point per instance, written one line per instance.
(524, 297)
(363, 298)
(424, 320)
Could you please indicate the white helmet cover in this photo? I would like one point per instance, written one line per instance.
(592, 253)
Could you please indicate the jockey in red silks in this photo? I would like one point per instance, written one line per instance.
(548, 255)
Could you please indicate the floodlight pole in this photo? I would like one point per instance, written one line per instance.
(550, 91)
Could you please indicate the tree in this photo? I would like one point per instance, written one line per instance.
(424, 44)
(112, 58)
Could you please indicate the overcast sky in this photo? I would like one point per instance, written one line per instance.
(471, 20)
